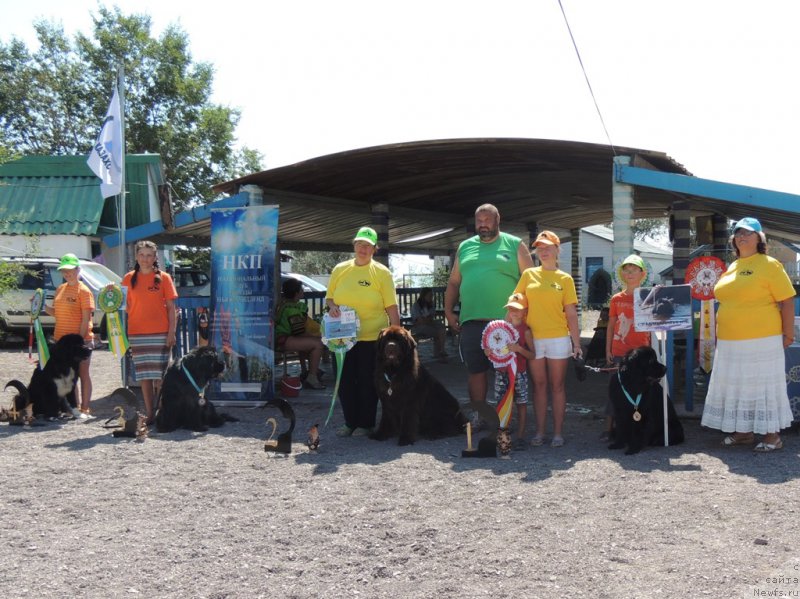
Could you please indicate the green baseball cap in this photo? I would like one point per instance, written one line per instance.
(68, 262)
(366, 234)
(632, 259)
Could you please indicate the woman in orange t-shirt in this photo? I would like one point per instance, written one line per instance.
(73, 307)
(151, 320)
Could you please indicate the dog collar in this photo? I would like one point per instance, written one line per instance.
(636, 415)
(388, 380)
(194, 384)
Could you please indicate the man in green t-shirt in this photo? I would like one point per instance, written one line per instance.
(486, 270)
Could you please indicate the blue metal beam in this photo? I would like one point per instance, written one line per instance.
(187, 217)
(707, 188)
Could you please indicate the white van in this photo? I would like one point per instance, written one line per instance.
(15, 305)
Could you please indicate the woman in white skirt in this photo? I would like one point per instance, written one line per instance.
(755, 323)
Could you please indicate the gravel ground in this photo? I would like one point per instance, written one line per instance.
(211, 515)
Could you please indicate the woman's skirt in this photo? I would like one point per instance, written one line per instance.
(150, 355)
(747, 391)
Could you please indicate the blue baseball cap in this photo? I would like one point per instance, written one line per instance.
(748, 223)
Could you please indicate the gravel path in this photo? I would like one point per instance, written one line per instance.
(211, 515)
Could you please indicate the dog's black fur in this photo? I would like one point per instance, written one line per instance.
(52, 388)
(418, 404)
(180, 405)
(640, 372)
(664, 308)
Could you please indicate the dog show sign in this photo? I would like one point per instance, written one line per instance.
(243, 243)
(662, 308)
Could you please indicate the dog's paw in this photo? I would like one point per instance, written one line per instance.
(405, 440)
(616, 445)
(632, 450)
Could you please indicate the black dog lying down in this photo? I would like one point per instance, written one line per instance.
(180, 401)
(52, 388)
(413, 403)
(639, 375)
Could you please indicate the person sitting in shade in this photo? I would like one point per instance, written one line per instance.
(424, 323)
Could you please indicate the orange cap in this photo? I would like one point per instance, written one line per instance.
(518, 301)
(546, 238)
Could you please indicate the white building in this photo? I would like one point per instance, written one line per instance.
(596, 265)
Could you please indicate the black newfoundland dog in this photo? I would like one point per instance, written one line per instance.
(413, 403)
(52, 388)
(181, 404)
(638, 381)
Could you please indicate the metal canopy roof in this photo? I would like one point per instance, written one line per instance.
(435, 186)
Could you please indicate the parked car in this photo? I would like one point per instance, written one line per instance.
(36, 273)
(192, 282)
(309, 284)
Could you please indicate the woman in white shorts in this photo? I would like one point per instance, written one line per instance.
(553, 320)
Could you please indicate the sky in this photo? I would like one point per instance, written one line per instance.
(711, 83)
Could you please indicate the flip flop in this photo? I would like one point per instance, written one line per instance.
(730, 441)
(767, 447)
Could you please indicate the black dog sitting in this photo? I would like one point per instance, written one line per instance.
(638, 401)
(413, 403)
(52, 388)
(181, 404)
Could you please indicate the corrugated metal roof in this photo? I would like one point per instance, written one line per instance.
(640, 246)
(431, 186)
(50, 205)
(59, 195)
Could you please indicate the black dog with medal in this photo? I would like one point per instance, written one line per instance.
(638, 400)
(182, 403)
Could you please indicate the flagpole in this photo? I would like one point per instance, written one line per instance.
(121, 220)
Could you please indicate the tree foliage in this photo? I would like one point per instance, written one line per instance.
(317, 263)
(53, 100)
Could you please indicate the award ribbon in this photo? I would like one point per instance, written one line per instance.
(496, 337)
(339, 345)
(37, 304)
(110, 300)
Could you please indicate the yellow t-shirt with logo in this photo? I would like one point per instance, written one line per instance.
(548, 291)
(748, 293)
(368, 289)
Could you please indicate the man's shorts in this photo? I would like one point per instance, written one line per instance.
(470, 347)
(556, 348)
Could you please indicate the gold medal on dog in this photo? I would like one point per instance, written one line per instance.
(637, 416)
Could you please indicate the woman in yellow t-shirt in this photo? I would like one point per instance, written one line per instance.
(755, 323)
(73, 307)
(368, 288)
(553, 320)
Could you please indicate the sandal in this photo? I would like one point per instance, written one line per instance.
(767, 447)
(732, 440)
(558, 441)
(537, 441)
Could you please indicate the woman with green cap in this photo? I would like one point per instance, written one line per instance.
(367, 287)
(73, 307)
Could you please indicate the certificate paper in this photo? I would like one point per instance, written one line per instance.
(343, 327)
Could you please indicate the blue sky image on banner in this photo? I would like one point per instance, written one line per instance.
(243, 244)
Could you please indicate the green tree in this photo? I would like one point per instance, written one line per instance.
(317, 263)
(53, 100)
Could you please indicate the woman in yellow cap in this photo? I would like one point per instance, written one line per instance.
(368, 288)
(73, 307)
